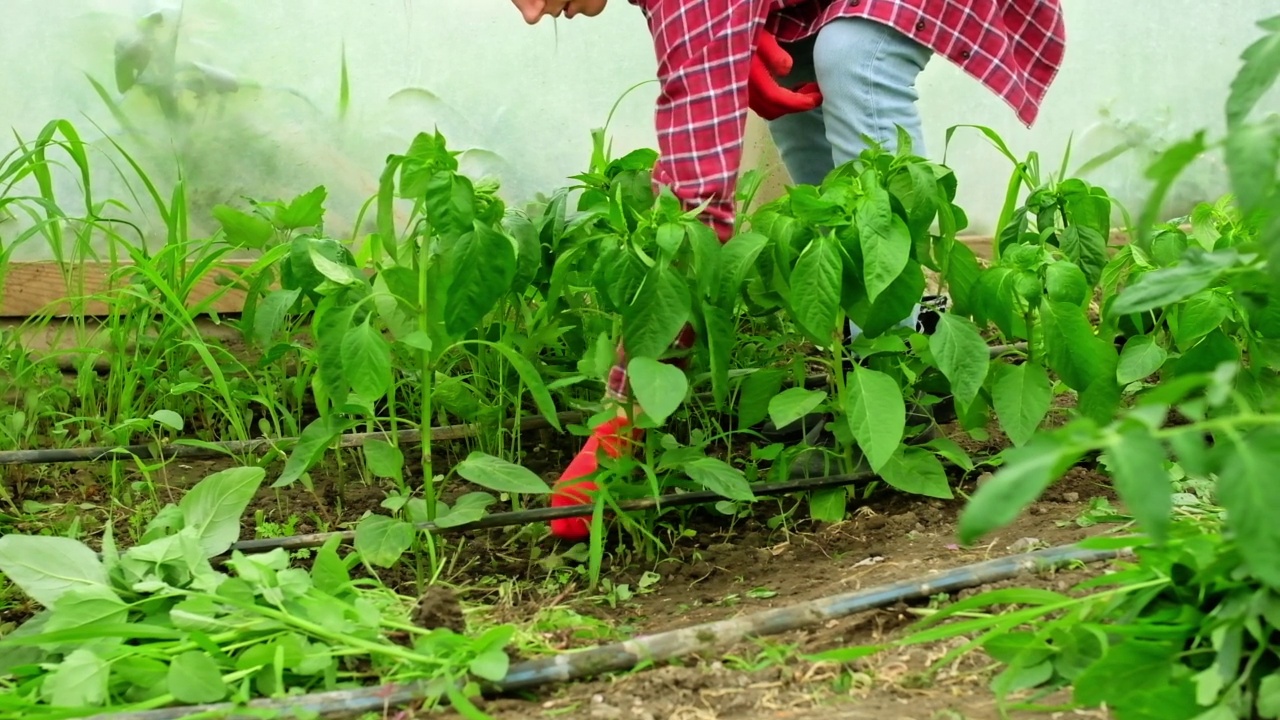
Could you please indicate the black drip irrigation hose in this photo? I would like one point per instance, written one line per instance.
(524, 517)
(704, 639)
(214, 450)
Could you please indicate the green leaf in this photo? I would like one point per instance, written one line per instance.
(335, 272)
(1260, 70)
(1248, 491)
(242, 229)
(531, 379)
(794, 403)
(962, 356)
(757, 393)
(47, 567)
(1065, 282)
(918, 472)
(1141, 358)
(366, 362)
(84, 607)
(815, 289)
(312, 444)
(1075, 353)
(1269, 696)
(500, 475)
(270, 314)
(384, 459)
(491, 665)
(1252, 154)
(214, 506)
(737, 257)
(450, 201)
(829, 505)
(194, 678)
(79, 681)
(658, 313)
(894, 304)
(304, 211)
(1136, 462)
(884, 237)
(467, 508)
(1166, 286)
(1022, 395)
(721, 478)
(1027, 472)
(1087, 248)
(1198, 316)
(721, 337)
(1125, 669)
(483, 265)
(876, 413)
(659, 387)
(168, 418)
(382, 540)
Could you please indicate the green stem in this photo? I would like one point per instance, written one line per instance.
(428, 477)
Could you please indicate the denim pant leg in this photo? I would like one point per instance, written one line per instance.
(867, 73)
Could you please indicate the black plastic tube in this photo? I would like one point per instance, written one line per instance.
(524, 517)
(616, 657)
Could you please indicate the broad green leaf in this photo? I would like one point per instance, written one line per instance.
(1258, 73)
(1136, 462)
(737, 257)
(1087, 248)
(304, 211)
(194, 678)
(658, 387)
(84, 607)
(312, 444)
(1065, 282)
(79, 681)
(993, 299)
(500, 475)
(168, 418)
(1027, 472)
(1142, 357)
(1269, 696)
(483, 264)
(1075, 353)
(1248, 490)
(918, 472)
(367, 362)
(794, 403)
(829, 505)
(329, 326)
(960, 271)
(815, 289)
(47, 567)
(450, 201)
(893, 305)
(756, 395)
(656, 316)
(876, 413)
(1126, 668)
(1198, 316)
(719, 327)
(490, 665)
(329, 573)
(721, 478)
(962, 356)
(214, 506)
(1022, 395)
(382, 540)
(270, 314)
(1253, 153)
(335, 272)
(885, 238)
(467, 508)
(242, 229)
(384, 459)
(1166, 286)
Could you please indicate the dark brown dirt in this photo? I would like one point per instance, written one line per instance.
(439, 608)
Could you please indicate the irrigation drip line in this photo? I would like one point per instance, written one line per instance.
(524, 517)
(704, 639)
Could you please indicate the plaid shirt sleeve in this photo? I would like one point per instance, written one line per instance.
(704, 50)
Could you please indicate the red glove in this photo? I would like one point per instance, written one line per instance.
(765, 96)
(572, 488)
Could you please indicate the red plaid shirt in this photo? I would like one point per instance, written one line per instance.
(704, 50)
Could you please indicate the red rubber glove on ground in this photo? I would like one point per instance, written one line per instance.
(572, 488)
(765, 96)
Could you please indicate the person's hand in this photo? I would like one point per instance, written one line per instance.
(534, 10)
(765, 96)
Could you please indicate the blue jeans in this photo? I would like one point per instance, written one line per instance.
(867, 73)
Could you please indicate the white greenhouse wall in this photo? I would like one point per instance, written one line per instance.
(524, 100)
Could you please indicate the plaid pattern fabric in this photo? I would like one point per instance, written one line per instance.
(704, 50)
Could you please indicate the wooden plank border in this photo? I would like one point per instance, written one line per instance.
(40, 288)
